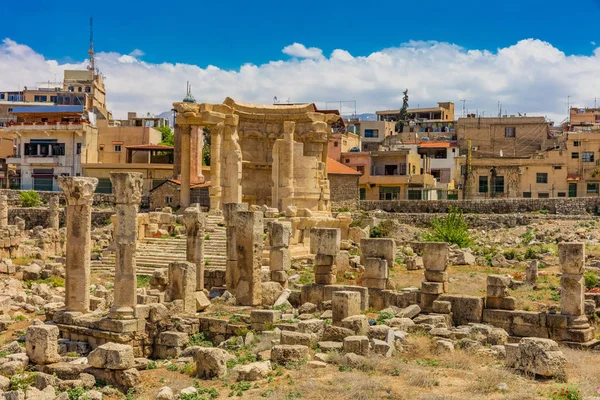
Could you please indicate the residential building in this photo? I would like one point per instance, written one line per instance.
(343, 185)
(371, 133)
(584, 119)
(50, 142)
(504, 136)
(429, 122)
(342, 142)
(391, 175)
(583, 164)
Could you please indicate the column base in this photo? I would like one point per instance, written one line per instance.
(121, 313)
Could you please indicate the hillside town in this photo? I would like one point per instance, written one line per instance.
(287, 251)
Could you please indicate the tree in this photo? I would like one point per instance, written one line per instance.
(167, 136)
(206, 146)
(404, 115)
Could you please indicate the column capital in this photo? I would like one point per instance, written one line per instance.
(79, 191)
(127, 187)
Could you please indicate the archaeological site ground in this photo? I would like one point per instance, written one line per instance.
(275, 293)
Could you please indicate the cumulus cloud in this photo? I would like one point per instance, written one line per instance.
(530, 76)
(300, 51)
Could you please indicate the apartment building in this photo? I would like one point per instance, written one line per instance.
(584, 119)
(391, 175)
(371, 133)
(50, 142)
(428, 122)
(341, 143)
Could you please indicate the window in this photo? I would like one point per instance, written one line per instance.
(79, 89)
(499, 184)
(557, 167)
(510, 132)
(592, 188)
(335, 144)
(347, 160)
(389, 193)
(403, 169)
(117, 148)
(483, 184)
(527, 195)
(441, 154)
(168, 200)
(363, 193)
(587, 156)
(361, 169)
(104, 185)
(1, 96)
(40, 98)
(414, 170)
(71, 89)
(541, 177)
(574, 155)
(53, 99)
(562, 194)
(576, 143)
(391, 169)
(101, 147)
(78, 148)
(543, 196)
(88, 89)
(371, 133)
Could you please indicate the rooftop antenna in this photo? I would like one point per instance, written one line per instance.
(92, 66)
(464, 107)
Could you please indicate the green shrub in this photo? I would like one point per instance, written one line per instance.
(30, 198)
(510, 254)
(199, 339)
(591, 279)
(452, 229)
(143, 280)
(376, 232)
(75, 393)
(530, 253)
(527, 237)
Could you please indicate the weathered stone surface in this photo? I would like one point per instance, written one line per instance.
(112, 356)
(182, 285)
(252, 372)
(281, 354)
(465, 309)
(325, 241)
(42, 344)
(435, 256)
(345, 304)
(211, 362)
(357, 345)
(537, 356)
(359, 324)
(571, 258)
(378, 248)
(165, 393)
(295, 338)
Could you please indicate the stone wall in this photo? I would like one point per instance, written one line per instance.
(567, 206)
(39, 216)
(487, 221)
(100, 199)
(344, 191)
(158, 196)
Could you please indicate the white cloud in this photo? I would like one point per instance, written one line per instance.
(300, 51)
(136, 53)
(530, 76)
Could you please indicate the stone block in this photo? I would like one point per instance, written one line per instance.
(498, 280)
(325, 269)
(496, 291)
(342, 259)
(324, 260)
(435, 256)
(359, 324)
(259, 318)
(325, 279)
(252, 372)
(174, 339)
(42, 344)
(374, 283)
(378, 248)
(382, 348)
(436, 276)
(336, 333)
(294, 338)
(441, 307)
(211, 362)
(325, 241)
(280, 258)
(465, 309)
(280, 233)
(202, 302)
(112, 356)
(356, 344)
(345, 304)
(434, 287)
(280, 277)
(283, 353)
(376, 268)
(572, 288)
(571, 258)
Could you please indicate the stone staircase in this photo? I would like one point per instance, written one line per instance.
(154, 253)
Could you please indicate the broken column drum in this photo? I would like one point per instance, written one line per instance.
(325, 243)
(127, 190)
(79, 193)
(435, 261)
(572, 283)
(53, 217)
(280, 259)
(3, 211)
(195, 222)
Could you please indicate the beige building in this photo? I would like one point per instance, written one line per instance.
(51, 142)
(504, 136)
(371, 133)
(392, 175)
(584, 119)
(430, 122)
(340, 143)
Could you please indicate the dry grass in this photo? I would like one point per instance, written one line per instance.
(583, 370)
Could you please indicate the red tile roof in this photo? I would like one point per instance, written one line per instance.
(336, 168)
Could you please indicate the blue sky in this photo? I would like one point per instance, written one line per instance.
(229, 33)
(528, 55)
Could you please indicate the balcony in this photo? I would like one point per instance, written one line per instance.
(36, 160)
(44, 126)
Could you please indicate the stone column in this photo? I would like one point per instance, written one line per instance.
(325, 243)
(127, 190)
(195, 222)
(231, 162)
(435, 261)
(280, 259)
(572, 284)
(79, 193)
(53, 218)
(184, 194)
(283, 168)
(497, 293)
(215, 190)
(182, 285)
(3, 211)
(249, 243)
(230, 211)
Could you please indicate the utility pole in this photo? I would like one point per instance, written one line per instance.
(569, 108)
(464, 108)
